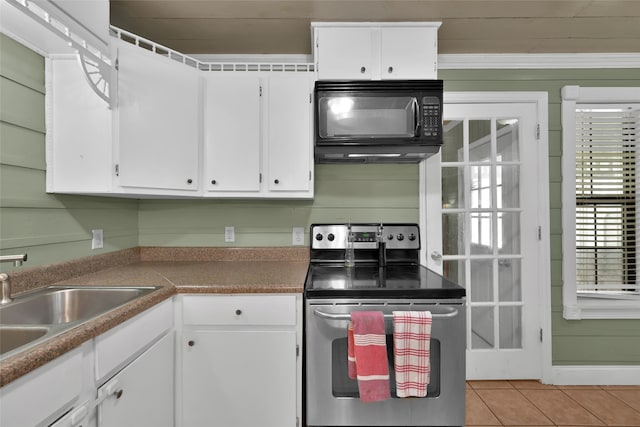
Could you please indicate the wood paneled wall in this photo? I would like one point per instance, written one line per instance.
(49, 228)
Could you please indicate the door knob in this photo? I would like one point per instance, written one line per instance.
(436, 256)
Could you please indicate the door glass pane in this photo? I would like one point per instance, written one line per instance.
(367, 116)
(453, 143)
(455, 271)
(480, 186)
(507, 140)
(482, 327)
(508, 186)
(508, 233)
(509, 280)
(479, 140)
(452, 234)
(481, 233)
(511, 327)
(453, 187)
(481, 285)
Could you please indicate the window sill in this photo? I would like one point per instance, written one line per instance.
(603, 308)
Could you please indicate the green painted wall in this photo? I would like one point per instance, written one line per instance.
(358, 193)
(53, 228)
(585, 342)
(49, 228)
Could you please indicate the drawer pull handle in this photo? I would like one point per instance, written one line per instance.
(191, 343)
(118, 394)
(238, 312)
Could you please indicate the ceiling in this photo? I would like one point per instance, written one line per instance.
(468, 26)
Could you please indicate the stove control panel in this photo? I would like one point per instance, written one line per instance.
(365, 236)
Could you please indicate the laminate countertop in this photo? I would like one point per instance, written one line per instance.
(171, 278)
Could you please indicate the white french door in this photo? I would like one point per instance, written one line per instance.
(482, 222)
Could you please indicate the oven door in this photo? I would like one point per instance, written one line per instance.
(332, 397)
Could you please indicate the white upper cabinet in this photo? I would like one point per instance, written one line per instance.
(374, 51)
(79, 137)
(289, 134)
(158, 117)
(232, 133)
(258, 136)
(180, 131)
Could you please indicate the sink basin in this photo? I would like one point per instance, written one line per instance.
(14, 337)
(64, 305)
(45, 313)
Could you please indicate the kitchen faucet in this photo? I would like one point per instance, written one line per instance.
(5, 296)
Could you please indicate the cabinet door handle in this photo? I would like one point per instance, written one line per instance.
(189, 181)
(238, 312)
(118, 394)
(276, 181)
(191, 343)
(214, 182)
(390, 69)
(363, 69)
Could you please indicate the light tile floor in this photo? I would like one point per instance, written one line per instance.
(529, 403)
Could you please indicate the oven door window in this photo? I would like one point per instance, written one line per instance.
(343, 386)
(368, 117)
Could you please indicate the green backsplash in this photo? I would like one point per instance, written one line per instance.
(54, 228)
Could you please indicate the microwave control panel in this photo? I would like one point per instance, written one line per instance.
(431, 116)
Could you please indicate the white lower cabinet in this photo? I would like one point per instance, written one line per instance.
(141, 394)
(241, 364)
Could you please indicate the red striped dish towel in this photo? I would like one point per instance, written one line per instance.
(370, 354)
(411, 340)
(351, 355)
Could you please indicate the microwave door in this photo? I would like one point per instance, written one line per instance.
(368, 117)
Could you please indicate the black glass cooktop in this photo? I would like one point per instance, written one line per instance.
(371, 281)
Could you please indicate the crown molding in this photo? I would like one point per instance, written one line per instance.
(538, 60)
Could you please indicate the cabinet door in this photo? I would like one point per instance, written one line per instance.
(159, 116)
(289, 143)
(239, 378)
(232, 133)
(141, 395)
(79, 143)
(408, 53)
(347, 53)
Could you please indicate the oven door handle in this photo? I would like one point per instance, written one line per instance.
(347, 316)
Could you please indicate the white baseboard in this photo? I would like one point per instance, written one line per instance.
(596, 375)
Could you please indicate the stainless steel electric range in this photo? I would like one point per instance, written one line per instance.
(376, 267)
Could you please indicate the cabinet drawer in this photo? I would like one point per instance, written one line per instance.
(128, 340)
(240, 310)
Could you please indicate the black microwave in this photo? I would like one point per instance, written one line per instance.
(380, 121)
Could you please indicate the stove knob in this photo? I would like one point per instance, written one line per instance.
(400, 237)
(412, 237)
(390, 237)
(331, 237)
(318, 237)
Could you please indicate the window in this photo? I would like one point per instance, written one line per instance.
(600, 206)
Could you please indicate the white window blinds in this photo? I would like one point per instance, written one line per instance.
(607, 208)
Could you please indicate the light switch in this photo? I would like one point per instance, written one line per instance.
(297, 237)
(97, 239)
(229, 234)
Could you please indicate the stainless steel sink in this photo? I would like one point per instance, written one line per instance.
(55, 305)
(14, 337)
(42, 314)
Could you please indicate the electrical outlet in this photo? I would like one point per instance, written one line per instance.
(297, 236)
(97, 239)
(229, 234)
